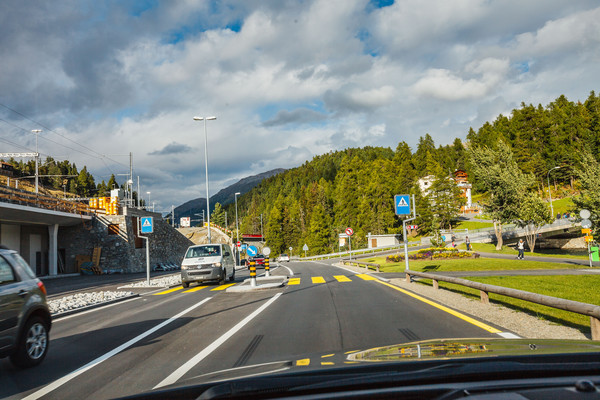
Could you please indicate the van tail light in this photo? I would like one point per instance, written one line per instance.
(42, 288)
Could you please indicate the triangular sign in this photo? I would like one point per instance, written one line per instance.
(146, 222)
(402, 202)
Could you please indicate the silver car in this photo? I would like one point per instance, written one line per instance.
(207, 262)
(24, 315)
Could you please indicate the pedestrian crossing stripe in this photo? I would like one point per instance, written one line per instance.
(366, 277)
(342, 278)
(169, 291)
(222, 287)
(294, 281)
(192, 290)
(318, 279)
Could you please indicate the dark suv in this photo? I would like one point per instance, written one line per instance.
(24, 315)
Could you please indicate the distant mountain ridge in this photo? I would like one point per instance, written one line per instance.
(224, 196)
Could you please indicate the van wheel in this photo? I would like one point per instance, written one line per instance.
(33, 344)
(222, 278)
(185, 284)
(232, 277)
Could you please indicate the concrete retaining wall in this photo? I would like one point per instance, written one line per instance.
(115, 234)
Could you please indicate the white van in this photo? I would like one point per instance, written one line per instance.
(207, 262)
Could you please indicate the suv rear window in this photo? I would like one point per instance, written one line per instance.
(203, 251)
(7, 275)
(20, 261)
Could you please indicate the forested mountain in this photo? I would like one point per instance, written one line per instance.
(355, 187)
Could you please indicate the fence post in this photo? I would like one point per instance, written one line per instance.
(436, 284)
(595, 325)
(408, 278)
(485, 297)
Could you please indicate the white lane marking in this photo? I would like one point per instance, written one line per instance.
(508, 335)
(58, 318)
(179, 372)
(289, 269)
(59, 382)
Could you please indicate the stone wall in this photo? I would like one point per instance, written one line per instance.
(115, 234)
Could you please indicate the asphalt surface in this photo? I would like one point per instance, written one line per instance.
(169, 336)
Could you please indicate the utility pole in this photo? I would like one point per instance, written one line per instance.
(130, 181)
(172, 216)
(37, 156)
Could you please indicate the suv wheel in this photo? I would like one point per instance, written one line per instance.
(33, 344)
(232, 277)
(185, 284)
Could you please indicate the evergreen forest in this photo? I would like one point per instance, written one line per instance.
(313, 203)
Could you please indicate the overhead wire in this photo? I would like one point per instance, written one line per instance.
(63, 136)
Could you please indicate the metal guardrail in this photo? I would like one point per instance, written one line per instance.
(361, 263)
(591, 310)
(358, 252)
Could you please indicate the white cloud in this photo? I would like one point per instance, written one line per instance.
(298, 79)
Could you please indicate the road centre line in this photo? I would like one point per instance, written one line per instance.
(444, 308)
(59, 382)
(181, 371)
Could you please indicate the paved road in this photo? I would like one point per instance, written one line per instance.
(171, 335)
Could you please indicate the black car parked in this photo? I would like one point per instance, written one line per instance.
(24, 315)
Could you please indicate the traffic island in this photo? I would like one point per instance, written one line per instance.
(263, 282)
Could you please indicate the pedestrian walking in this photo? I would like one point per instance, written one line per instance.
(468, 243)
(453, 240)
(521, 248)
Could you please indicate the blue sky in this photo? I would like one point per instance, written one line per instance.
(287, 80)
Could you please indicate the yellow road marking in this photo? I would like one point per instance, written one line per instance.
(443, 308)
(303, 362)
(327, 363)
(353, 351)
(366, 277)
(169, 291)
(328, 355)
(318, 279)
(195, 289)
(294, 281)
(350, 362)
(222, 287)
(342, 278)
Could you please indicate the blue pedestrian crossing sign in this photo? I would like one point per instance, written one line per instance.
(252, 251)
(147, 225)
(402, 204)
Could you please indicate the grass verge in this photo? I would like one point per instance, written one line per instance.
(468, 264)
(553, 253)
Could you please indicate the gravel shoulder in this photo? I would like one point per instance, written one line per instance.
(522, 324)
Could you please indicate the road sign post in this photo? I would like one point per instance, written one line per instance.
(305, 248)
(402, 205)
(350, 232)
(586, 224)
(146, 225)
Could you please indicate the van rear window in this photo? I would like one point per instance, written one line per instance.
(203, 251)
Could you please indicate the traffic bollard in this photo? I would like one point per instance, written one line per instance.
(267, 268)
(252, 273)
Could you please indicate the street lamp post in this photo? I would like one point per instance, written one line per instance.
(148, 193)
(237, 230)
(549, 193)
(206, 169)
(37, 132)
